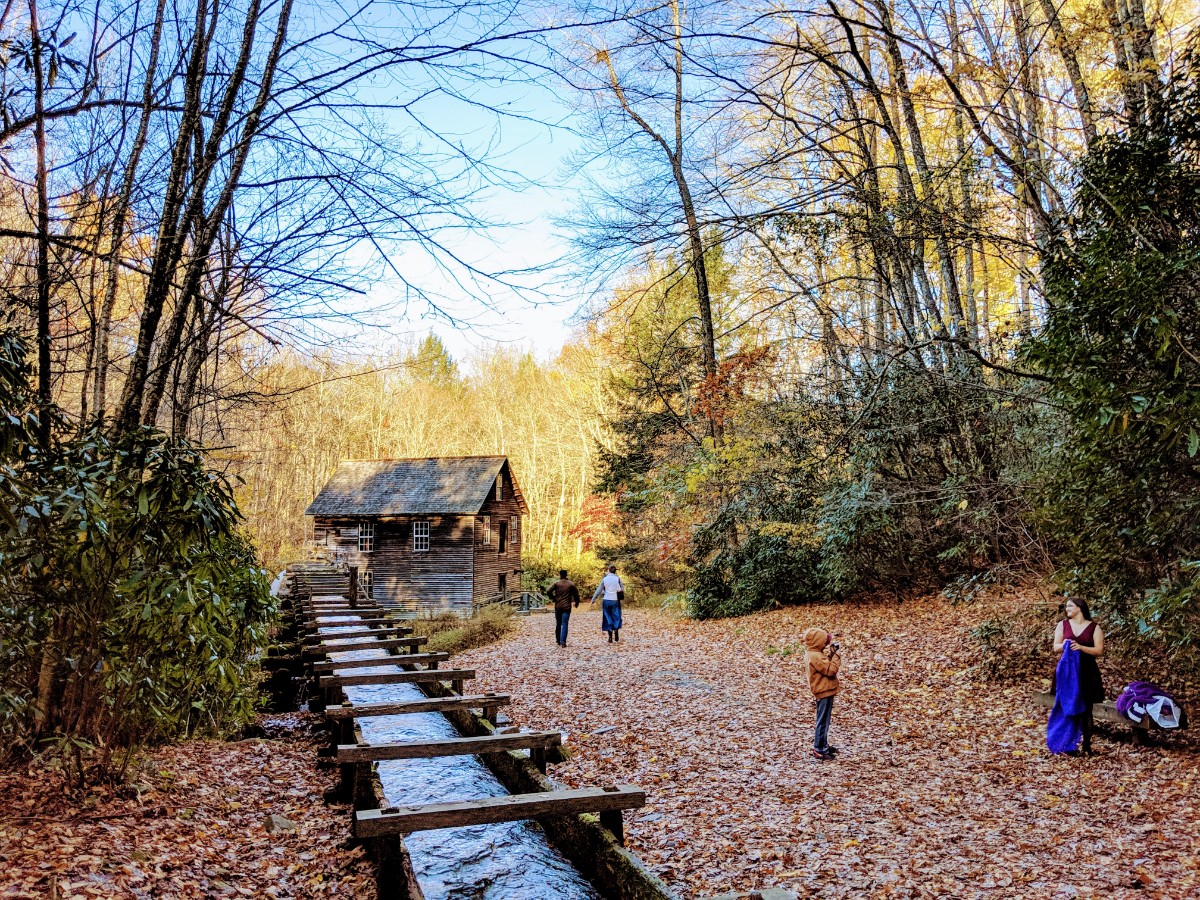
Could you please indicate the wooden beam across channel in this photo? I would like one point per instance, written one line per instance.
(465, 746)
(399, 631)
(371, 823)
(437, 704)
(343, 621)
(409, 659)
(399, 677)
(366, 644)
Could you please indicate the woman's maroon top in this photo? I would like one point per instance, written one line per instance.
(1090, 683)
(1085, 637)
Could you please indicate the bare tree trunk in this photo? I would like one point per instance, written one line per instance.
(930, 213)
(208, 226)
(168, 244)
(985, 297)
(45, 397)
(120, 214)
(966, 200)
(1067, 53)
(695, 238)
(1134, 53)
(905, 255)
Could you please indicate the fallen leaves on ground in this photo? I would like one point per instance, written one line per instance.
(942, 787)
(192, 823)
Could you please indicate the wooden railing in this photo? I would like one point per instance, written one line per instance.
(522, 601)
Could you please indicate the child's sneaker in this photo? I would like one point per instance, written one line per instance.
(832, 751)
(822, 755)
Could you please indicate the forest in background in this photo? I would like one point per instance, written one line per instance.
(876, 296)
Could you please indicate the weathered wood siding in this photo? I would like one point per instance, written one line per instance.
(424, 581)
(340, 537)
(419, 581)
(490, 563)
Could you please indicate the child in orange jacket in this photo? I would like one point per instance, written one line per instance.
(824, 660)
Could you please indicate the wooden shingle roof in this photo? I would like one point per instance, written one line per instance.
(446, 485)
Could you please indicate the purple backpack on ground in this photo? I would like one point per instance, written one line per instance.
(1142, 697)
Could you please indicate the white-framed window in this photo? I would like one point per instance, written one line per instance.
(364, 582)
(512, 529)
(420, 537)
(499, 487)
(366, 537)
(487, 530)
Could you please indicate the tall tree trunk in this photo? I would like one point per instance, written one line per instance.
(966, 200)
(168, 244)
(930, 212)
(45, 397)
(207, 227)
(120, 214)
(695, 238)
(1067, 52)
(1134, 53)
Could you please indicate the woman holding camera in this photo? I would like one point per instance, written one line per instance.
(1078, 632)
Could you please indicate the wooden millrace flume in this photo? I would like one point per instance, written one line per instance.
(586, 824)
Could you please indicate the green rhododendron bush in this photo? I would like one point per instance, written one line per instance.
(131, 607)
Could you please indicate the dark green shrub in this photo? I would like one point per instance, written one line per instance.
(131, 608)
(775, 565)
(1121, 492)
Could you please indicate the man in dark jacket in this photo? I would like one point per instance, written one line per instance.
(564, 593)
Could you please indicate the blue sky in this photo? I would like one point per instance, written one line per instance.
(530, 138)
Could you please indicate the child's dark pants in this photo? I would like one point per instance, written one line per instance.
(824, 713)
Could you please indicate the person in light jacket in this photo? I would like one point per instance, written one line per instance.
(824, 659)
(611, 588)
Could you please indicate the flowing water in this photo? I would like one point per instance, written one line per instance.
(507, 861)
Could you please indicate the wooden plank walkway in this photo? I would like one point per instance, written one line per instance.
(348, 646)
(416, 676)
(463, 746)
(351, 635)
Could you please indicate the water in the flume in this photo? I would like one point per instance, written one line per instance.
(508, 861)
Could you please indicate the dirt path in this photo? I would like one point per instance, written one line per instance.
(942, 787)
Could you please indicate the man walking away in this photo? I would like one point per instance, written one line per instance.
(564, 593)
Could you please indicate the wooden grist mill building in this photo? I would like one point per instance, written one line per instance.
(426, 534)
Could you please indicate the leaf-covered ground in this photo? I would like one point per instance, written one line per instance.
(942, 787)
(191, 824)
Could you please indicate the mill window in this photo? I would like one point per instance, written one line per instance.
(366, 537)
(420, 537)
